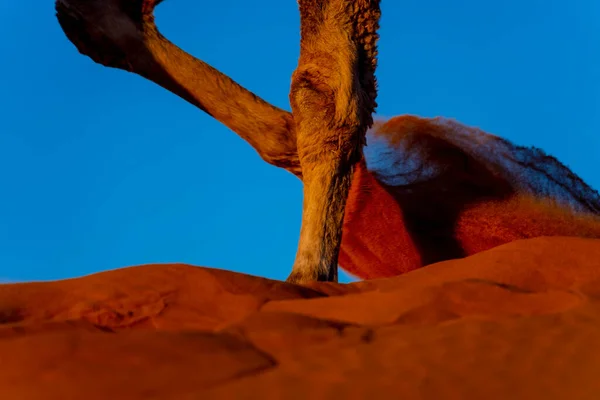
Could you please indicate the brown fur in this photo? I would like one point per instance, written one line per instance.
(332, 91)
(390, 230)
(387, 229)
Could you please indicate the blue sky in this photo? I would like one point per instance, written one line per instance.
(100, 169)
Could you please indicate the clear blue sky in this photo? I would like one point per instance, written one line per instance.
(100, 169)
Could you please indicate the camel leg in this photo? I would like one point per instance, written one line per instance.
(332, 98)
(122, 34)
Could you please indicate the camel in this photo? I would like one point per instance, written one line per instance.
(381, 198)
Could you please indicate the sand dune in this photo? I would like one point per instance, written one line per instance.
(519, 321)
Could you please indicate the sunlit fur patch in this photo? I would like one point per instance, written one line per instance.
(375, 241)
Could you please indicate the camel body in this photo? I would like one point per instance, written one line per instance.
(430, 190)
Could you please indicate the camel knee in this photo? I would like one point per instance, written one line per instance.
(323, 136)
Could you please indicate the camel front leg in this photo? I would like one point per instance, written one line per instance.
(332, 101)
(327, 172)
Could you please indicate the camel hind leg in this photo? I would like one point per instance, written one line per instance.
(332, 97)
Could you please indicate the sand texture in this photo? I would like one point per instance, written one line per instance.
(520, 321)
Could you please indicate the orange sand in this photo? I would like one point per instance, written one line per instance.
(520, 321)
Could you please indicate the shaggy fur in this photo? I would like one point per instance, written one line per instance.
(424, 190)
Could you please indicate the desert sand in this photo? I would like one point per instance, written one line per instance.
(520, 321)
